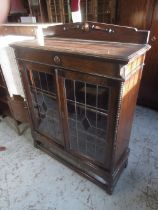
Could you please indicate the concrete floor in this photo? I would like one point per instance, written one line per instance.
(31, 180)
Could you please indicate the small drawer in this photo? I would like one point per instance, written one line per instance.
(69, 61)
(19, 30)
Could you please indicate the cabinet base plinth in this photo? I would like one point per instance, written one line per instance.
(102, 177)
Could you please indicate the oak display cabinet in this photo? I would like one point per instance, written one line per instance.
(81, 88)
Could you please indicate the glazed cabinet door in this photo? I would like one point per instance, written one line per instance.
(87, 106)
(42, 95)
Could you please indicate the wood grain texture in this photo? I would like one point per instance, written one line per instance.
(136, 13)
(99, 31)
(149, 85)
(143, 15)
(127, 106)
(21, 30)
(114, 51)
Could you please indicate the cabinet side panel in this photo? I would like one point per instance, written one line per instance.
(129, 97)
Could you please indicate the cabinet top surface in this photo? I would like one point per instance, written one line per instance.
(121, 52)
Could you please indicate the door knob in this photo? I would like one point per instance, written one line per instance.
(153, 39)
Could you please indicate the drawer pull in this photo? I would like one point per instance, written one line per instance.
(57, 60)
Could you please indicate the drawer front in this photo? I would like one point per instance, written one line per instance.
(69, 61)
(18, 30)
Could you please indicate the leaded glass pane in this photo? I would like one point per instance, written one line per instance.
(87, 106)
(44, 101)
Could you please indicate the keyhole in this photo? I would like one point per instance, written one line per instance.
(153, 39)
